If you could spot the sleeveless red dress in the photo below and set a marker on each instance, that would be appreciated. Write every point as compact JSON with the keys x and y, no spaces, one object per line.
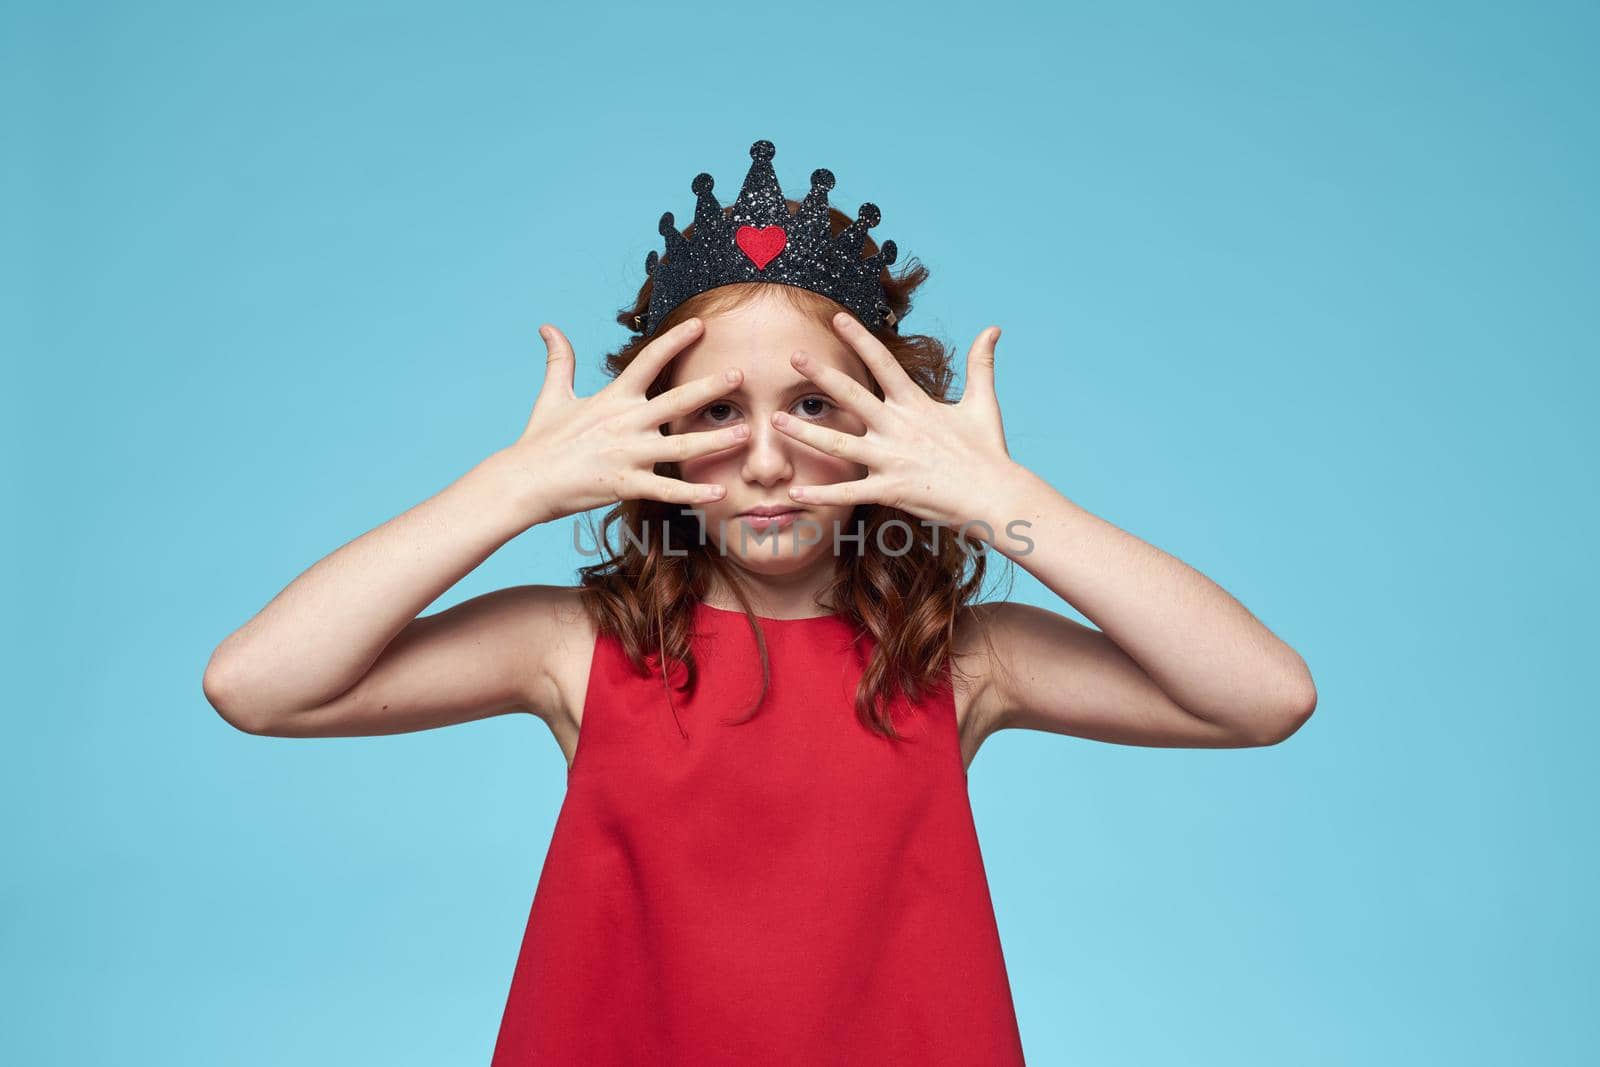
{"x":796,"y":889}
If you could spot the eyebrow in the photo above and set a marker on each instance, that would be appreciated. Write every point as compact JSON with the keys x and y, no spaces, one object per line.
{"x":804,"y":384}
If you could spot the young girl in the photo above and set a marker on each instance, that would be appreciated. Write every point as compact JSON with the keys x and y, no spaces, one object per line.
{"x":768,"y":691}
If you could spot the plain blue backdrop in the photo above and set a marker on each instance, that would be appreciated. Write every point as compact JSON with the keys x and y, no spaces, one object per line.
{"x":1303,"y":294}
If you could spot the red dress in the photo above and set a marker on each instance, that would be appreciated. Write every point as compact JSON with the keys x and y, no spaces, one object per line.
{"x":794,"y":890}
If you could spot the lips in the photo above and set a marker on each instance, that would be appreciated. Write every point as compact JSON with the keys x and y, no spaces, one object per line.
{"x":771,"y":517}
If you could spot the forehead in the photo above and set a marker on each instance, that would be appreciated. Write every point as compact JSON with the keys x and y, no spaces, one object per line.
{"x":758,"y":336}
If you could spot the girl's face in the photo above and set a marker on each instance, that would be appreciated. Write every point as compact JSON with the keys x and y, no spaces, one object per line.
{"x":758,"y":338}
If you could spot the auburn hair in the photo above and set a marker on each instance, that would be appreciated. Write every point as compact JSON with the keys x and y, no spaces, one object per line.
{"x":644,"y":592}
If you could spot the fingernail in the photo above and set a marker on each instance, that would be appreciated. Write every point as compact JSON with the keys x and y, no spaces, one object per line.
{"x":741,"y":432}
{"x":779,"y":419}
{"x":801,"y":358}
{"x":731,"y":374}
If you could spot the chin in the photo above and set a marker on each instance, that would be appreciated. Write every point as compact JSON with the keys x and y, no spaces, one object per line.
{"x":784,"y":563}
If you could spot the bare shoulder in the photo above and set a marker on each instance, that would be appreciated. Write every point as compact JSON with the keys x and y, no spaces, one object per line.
{"x":995,"y":641}
{"x":973,"y":675}
{"x":560,"y":638}
{"x":553,"y":640}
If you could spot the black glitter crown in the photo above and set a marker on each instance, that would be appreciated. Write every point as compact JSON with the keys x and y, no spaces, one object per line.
{"x":760,"y":241}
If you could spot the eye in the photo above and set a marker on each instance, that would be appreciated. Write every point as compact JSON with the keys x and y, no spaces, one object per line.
{"x":826,"y":406}
{"x":709,"y":411}
{"x":807,"y":407}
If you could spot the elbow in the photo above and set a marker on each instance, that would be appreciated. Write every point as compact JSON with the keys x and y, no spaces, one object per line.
{"x":224,"y":694}
{"x":1283,"y":720}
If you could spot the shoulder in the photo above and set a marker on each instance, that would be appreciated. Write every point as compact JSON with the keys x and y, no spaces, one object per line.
{"x":554,"y":637}
{"x":979,"y":628}
{"x":994,"y":641}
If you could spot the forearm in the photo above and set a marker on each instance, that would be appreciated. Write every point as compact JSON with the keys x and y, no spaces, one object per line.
{"x":1204,"y":648}
{"x":322,"y":632}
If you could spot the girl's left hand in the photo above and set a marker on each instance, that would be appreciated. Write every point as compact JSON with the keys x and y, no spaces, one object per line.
{"x":932,"y":459}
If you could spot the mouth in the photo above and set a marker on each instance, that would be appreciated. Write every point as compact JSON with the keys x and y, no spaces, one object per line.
{"x":771,"y":516}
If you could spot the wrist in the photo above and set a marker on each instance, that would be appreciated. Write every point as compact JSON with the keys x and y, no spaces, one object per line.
{"x":1013,"y":495}
{"x":507,"y":489}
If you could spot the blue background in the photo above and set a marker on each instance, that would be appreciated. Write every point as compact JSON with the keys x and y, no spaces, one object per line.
{"x":1303,"y":294}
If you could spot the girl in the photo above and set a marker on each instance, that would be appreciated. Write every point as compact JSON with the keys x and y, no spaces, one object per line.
{"x":768,"y":693}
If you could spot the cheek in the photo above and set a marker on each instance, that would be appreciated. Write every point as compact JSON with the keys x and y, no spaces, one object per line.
{"x":824,"y":470}
{"x":710,"y":470}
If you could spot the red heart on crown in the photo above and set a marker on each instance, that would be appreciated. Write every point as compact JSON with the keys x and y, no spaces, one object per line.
{"x":761,"y":244}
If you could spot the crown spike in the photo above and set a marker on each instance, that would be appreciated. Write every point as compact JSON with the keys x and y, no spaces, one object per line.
{"x":761,"y":201}
{"x":707,"y":212}
{"x":813,"y":214}
{"x":853,"y":237}
{"x":676,"y":245}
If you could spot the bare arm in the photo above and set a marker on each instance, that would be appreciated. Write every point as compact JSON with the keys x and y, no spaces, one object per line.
{"x":1176,"y":660}
{"x":341,"y":651}
{"x":486,"y":656}
{"x":319,"y":637}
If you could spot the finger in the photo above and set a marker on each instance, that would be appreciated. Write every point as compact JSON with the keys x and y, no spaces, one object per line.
{"x":891,"y":377}
{"x":869,"y":490}
{"x":690,"y":396}
{"x":841,"y":388}
{"x":559,"y":364}
{"x":647,"y":365}
{"x":677,"y":447}
{"x":980,"y":368}
{"x":673,"y":490}
{"x":829,"y":440}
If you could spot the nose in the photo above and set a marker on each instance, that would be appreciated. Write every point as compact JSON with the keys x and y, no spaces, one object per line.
{"x":766,"y":456}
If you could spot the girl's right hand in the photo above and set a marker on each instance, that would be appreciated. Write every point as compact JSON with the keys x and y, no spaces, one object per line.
{"x":579,"y":453}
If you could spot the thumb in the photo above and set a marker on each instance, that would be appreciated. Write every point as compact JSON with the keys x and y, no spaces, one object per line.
{"x":559,"y":364}
{"x":980,"y":367}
